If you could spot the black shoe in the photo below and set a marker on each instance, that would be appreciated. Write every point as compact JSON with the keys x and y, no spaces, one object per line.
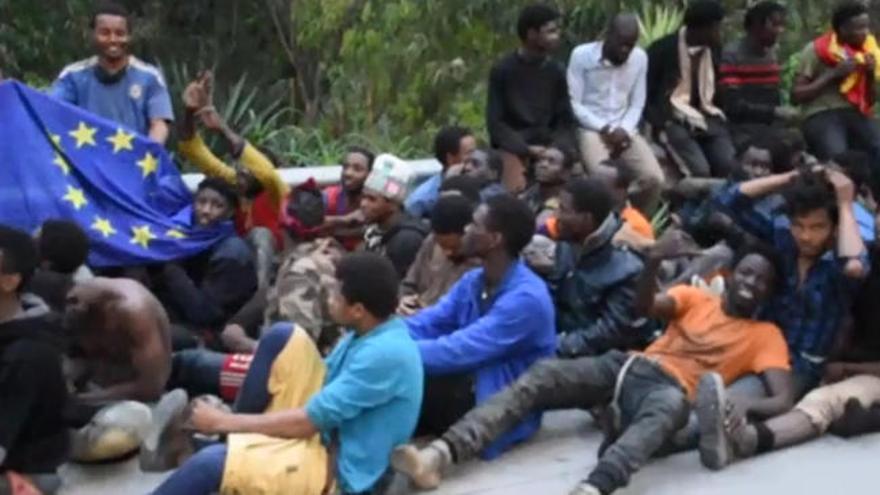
{"x":857,"y":420}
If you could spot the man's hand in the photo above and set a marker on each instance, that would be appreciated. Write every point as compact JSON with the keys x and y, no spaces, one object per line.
{"x":673,"y":244}
{"x":409,"y":305}
{"x":211,"y":119}
{"x":835,"y":372}
{"x":199,"y":93}
{"x":845,"y":68}
{"x":617,"y":140}
{"x":843,"y":186}
{"x":206,"y":418}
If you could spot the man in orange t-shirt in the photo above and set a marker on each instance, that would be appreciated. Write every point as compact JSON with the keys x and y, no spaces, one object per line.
{"x":650,"y":393}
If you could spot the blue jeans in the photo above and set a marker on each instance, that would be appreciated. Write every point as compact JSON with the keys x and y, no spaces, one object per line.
{"x":202,"y":474}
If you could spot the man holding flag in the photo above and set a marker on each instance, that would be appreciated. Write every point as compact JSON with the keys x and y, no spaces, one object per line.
{"x":115,"y":84}
{"x":61,"y":162}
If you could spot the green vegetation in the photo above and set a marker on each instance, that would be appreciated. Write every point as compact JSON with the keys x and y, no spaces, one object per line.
{"x":305,"y":78}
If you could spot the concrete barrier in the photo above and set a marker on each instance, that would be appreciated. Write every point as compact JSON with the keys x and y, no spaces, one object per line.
{"x":328,"y":174}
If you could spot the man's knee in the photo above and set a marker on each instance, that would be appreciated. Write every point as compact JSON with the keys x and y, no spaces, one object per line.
{"x":277,"y":335}
{"x":210,"y":458}
{"x":542,"y":372}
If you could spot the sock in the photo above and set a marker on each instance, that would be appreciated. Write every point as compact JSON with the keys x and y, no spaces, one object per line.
{"x":766,"y":438}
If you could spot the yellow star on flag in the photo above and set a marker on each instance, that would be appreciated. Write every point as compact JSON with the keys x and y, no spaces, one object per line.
{"x":61,"y":163}
{"x":76,"y":197}
{"x":121,"y":141}
{"x":142,"y":236}
{"x":84,"y":135}
{"x":175,"y":234}
{"x":103,"y":226}
{"x":148,"y":164}
{"x":55,"y":139}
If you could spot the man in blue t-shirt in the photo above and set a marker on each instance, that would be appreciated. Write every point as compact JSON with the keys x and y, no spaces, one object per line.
{"x":114,"y":84}
{"x":368,"y":405}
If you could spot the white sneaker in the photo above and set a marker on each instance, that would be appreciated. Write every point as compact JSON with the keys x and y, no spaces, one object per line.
{"x":424,"y":467}
{"x":584,"y":488}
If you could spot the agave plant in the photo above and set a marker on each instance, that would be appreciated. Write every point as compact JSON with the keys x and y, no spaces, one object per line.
{"x":243,"y":105}
{"x":662,"y":219}
{"x":656,"y":21}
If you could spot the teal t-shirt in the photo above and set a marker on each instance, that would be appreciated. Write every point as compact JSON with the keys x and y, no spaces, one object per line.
{"x":370,"y":402}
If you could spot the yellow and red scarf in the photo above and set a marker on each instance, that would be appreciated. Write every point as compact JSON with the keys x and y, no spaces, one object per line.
{"x":855,"y":87}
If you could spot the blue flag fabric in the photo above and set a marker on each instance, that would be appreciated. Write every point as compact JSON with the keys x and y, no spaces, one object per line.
{"x":58,"y":161}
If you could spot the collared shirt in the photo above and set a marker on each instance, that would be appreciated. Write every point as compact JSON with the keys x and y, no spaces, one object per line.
{"x":604,"y":94}
{"x":371,"y":400}
{"x":811,"y":312}
{"x":138,"y":97}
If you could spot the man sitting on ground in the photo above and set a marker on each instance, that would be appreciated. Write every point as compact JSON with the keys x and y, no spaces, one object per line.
{"x":478,"y":338}
{"x":681,"y":93}
{"x":201,"y":293}
{"x":451,"y":146}
{"x":343,"y":218}
{"x":594,"y":281}
{"x":440,"y":262}
{"x":33,"y":438}
{"x":63,"y":247}
{"x":606,"y":80}
{"x":823,"y":258}
{"x":552,"y":171}
{"x":260,"y":188}
{"x":294,"y":413}
{"x":649,"y":392}
{"x":528,"y":99}
{"x":390,"y":231}
{"x":122,"y":335}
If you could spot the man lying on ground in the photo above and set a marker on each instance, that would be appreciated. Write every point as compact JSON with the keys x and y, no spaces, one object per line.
{"x":649,"y":393}
{"x":823,"y":258}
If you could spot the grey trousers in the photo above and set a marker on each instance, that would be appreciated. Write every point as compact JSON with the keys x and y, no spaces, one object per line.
{"x":652,"y":407}
{"x":705,"y":153}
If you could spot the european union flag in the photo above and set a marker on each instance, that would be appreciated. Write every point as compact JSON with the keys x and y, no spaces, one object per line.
{"x":59,"y":161}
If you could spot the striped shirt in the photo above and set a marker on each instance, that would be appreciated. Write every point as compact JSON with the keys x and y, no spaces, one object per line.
{"x":749,"y":79}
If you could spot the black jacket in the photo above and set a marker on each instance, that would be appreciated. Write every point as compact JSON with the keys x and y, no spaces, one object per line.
{"x":401,"y":243}
{"x":595,"y":292}
{"x":664,"y":74}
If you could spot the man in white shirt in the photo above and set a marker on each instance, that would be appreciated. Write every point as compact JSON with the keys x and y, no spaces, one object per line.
{"x":607,"y":81}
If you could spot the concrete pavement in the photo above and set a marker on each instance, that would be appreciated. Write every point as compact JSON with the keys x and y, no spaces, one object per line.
{"x":565,"y":451}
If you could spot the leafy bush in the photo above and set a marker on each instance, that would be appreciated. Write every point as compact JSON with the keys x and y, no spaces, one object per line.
{"x":656,"y":21}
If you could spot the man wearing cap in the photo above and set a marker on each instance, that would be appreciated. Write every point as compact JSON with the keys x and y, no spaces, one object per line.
{"x":390,"y":232}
